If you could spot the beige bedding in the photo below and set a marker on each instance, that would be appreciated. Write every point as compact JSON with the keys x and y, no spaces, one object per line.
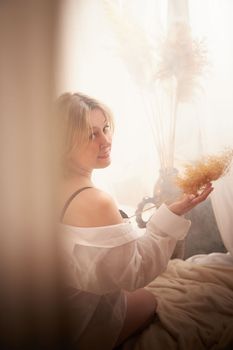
{"x":195,"y":309}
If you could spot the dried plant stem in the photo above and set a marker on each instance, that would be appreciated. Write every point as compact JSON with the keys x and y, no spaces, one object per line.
{"x":154,"y":119}
{"x":172,"y":134}
{"x":150,"y":112}
{"x":160,"y":131}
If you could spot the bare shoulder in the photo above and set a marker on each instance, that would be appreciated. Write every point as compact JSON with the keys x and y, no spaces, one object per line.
{"x":104,"y":210}
{"x":93,"y":208}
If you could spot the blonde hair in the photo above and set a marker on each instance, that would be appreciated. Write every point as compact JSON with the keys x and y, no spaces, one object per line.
{"x":73,"y":113}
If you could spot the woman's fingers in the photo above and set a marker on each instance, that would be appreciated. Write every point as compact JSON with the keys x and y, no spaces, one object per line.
{"x":189,"y":201}
{"x":203,"y":195}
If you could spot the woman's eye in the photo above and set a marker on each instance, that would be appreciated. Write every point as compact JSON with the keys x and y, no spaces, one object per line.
{"x":92,"y":136}
{"x":106,"y":128}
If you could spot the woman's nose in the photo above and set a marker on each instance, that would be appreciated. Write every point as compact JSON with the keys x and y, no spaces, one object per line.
{"x":106,"y":140}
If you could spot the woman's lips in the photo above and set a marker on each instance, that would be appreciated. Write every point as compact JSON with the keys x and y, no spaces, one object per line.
{"x":104,"y":155}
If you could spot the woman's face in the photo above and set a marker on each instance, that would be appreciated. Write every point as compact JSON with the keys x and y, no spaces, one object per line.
{"x":96,"y":154}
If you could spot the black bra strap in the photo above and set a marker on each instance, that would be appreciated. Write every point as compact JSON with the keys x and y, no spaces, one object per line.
{"x":70,"y":199}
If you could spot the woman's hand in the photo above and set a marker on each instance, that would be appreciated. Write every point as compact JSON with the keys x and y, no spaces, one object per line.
{"x":189,"y":201}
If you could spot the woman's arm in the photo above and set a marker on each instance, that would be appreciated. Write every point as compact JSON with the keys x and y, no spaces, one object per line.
{"x":140,"y":258}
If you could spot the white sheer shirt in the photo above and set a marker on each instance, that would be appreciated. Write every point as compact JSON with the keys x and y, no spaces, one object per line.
{"x":109,"y":258}
{"x":102,"y":262}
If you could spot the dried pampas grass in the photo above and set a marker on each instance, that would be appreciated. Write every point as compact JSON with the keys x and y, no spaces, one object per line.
{"x":183,"y":58}
{"x":133,"y":44}
{"x":209,"y":169}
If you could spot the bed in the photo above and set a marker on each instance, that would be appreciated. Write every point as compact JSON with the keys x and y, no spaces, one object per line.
{"x":195,"y":306}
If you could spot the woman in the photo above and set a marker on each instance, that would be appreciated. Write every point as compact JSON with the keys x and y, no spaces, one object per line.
{"x":109,"y":261}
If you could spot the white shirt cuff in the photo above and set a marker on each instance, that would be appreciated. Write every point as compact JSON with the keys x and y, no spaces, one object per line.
{"x":169,"y":223}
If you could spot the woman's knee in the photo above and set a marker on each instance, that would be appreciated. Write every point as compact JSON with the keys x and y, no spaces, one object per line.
{"x":141,"y":308}
{"x":148,"y":300}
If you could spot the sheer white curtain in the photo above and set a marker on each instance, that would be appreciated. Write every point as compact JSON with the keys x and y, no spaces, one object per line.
{"x":108,"y":51}
{"x":214,"y":19}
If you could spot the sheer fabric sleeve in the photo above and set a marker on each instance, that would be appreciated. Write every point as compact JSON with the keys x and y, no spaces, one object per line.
{"x":125,"y":257}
